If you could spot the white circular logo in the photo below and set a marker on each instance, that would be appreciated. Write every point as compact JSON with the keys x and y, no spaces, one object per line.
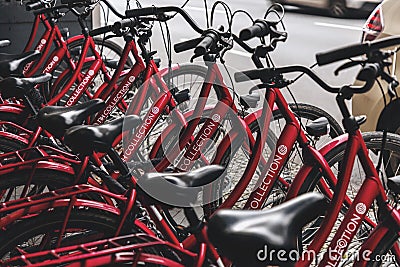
{"x":55,"y":58}
{"x":216,"y":117}
{"x":91,"y":72}
{"x":131,"y":79}
{"x":342,"y":243}
{"x":282,"y":150}
{"x":361,"y":208}
{"x":155,"y":110}
{"x":43,"y":41}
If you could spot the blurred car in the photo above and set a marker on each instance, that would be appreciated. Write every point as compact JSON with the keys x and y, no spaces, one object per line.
{"x":336,"y":8}
{"x":381,"y":113}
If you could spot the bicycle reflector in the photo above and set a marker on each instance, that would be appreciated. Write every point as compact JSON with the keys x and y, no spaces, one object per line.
{"x":374,"y":25}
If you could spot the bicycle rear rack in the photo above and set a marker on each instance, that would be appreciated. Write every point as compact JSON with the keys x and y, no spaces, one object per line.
{"x":16,"y":129}
{"x":67,"y":197}
{"x":30,"y":157}
{"x":124,"y":249}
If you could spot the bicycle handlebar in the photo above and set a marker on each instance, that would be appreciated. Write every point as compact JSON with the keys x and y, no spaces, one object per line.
{"x":354,"y":50}
{"x":367,"y":74}
{"x":145,"y":11}
{"x":49,"y":9}
{"x":101,"y":30}
{"x":260,"y":28}
{"x":77,"y":2}
{"x":187,"y":45}
{"x":34,"y":6}
{"x":130,"y":22}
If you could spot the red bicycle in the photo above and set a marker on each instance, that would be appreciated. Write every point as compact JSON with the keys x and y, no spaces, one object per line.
{"x":140,"y":248}
{"x":370,"y":190}
{"x":280,"y":226}
{"x":319,"y":159}
{"x":67,"y":49}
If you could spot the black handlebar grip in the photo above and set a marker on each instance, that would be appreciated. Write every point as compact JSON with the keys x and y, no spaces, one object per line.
{"x":263,"y":74}
{"x":118,"y":25}
{"x":187,"y":45}
{"x":247,"y":75}
{"x":101,"y":30}
{"x":209,"y":40}
{"x":204,"y":44}
{"x":145,"y":11}
{"x":260,"y":28}
{"x":34,"y":6}
{"x":349,"y":51}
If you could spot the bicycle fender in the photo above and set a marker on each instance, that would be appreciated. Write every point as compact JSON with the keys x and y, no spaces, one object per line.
{"x":12,"y":108}
{"x":11,"y":136}
{"x":75,"y":38}
{"x":27,"y":165}
{"x":305,"y":170}
{"x":166,"y":70}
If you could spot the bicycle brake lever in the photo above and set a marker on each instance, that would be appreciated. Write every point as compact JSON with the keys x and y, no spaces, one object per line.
{"x":392,"y":88}
{"x":392,"y":83}
{"x":275,"y":37}
{"x":347,"y":65}
{"x":194,"y":57}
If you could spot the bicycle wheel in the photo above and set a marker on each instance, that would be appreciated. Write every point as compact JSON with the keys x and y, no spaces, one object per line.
{"x":305,"y":113}
{"x":40,"y":232}
{"x":12,"y":185}
{"x":107,"y":48}
{"x":187,"y":76}
{"x":391,"y":159}
{"x":84,"y":225}
{"x":382,"y":256}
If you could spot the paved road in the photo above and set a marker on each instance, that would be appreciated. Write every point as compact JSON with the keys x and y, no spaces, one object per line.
{"x":308,"y":34}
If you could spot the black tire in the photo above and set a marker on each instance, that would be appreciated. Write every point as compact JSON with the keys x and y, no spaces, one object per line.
{"x":85,"y":225}
{"x":311,"y":113}
{"x":373,"y":142}
{"x":9,"y":145}
{"x":382,"y":251}
{"x":43,"y":180}
{"x":334,"y":157}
